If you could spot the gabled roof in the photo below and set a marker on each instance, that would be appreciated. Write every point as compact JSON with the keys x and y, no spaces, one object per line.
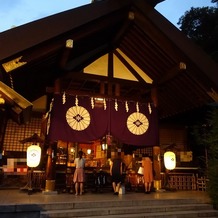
{"x":131,"y":37}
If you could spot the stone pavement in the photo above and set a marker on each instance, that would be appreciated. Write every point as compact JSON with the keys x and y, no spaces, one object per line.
{"x":15,"y":196}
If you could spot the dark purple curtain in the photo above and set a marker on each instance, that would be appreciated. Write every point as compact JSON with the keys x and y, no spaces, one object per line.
{"x":134,"y":128}
{"x":84,"y":125}
{"x":130,"y":123}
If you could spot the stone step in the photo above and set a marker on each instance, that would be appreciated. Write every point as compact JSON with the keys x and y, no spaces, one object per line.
{"x":115,"y":203}
{"x":178,"y":214}
{"x":183,"y":210}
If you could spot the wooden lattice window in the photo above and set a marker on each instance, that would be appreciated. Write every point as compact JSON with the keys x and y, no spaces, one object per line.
{"x":14,"y":133}
{"x":145,"y":150}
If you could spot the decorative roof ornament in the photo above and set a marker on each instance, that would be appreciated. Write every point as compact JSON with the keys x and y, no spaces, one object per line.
{"x":13,"y":64}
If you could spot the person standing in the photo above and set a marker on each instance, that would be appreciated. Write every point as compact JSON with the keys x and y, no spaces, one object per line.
{"x":79,"y":174}
{"x":148,"y":173}
{"x":116,"y":173}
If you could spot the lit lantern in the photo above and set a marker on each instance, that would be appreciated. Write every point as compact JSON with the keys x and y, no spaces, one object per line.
{"x":89,"y":151}
{"x":170,"y":160}
{"x":141,"y":171}
{"x":33,"y":155}
{"x":104,"y":146}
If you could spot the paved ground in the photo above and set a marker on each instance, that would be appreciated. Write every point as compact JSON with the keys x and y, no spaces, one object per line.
{"x":15,"y":196}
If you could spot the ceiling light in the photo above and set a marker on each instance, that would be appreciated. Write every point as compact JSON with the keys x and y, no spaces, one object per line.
{"x":69,"y":43}
{"x":2,"y":100}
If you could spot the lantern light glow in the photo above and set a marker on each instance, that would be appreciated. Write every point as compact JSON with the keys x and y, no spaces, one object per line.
{"x":89,"y":151}
{"x":33,"y":155}
{"x":169,"y":160}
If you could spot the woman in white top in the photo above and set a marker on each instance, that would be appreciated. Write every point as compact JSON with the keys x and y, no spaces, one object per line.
{"x":79,"y":175}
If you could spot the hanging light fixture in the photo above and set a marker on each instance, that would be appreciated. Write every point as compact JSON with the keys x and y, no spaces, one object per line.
{"x":69,"y":43}
{"x":33,"y":155}
{"x":104,"y":144}
{"x":2,"y":100}
{"x":169,"y":160}
{"x":89,"y":151}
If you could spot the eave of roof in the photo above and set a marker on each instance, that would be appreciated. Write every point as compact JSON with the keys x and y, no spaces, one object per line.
{"x":133,"y":27}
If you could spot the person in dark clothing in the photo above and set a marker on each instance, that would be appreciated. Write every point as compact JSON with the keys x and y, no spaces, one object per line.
{"x":116,"y":173}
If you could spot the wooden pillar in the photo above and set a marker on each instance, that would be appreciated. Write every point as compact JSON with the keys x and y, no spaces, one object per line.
{"x":50,"y":169}
{"x":110,"y":89}
{"x":3,"y":125}
{"x":156,"y":149}
{"x":157,"y":167}
{"x":51,"y":160}
{"x":117,"y":90}
{"x":49,"y":173}
{"x":154,"y":96}
{"x":102,"y":88}
{"x":57,"y":86}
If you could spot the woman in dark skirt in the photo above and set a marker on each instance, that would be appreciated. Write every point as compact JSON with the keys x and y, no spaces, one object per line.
{"x":116,"y":173}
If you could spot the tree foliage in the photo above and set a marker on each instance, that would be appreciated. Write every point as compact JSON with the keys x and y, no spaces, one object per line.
{"x":201,"y":25}
{"x":206,"y":135}
{"x":212,"y":142}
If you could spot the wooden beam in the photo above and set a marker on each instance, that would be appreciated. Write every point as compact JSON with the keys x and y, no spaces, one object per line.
{"x":176,"y":70}
{"x":37,"y":32}
{"x":130,"y":68}
{"x":98,"y":78}
{"x":185,"y":46}
{"x":50,"y":90}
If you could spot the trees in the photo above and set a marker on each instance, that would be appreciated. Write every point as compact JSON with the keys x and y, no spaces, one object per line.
{"x":201,"y":25}
{"x":212,"y":143}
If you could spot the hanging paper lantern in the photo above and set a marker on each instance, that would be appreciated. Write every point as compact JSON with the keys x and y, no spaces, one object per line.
{"x":169,"y":160}
{"x":33,"y":155}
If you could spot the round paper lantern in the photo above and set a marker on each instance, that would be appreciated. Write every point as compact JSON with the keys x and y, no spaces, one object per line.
{"x":169,"y":160}
{"x":33,"y":155}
